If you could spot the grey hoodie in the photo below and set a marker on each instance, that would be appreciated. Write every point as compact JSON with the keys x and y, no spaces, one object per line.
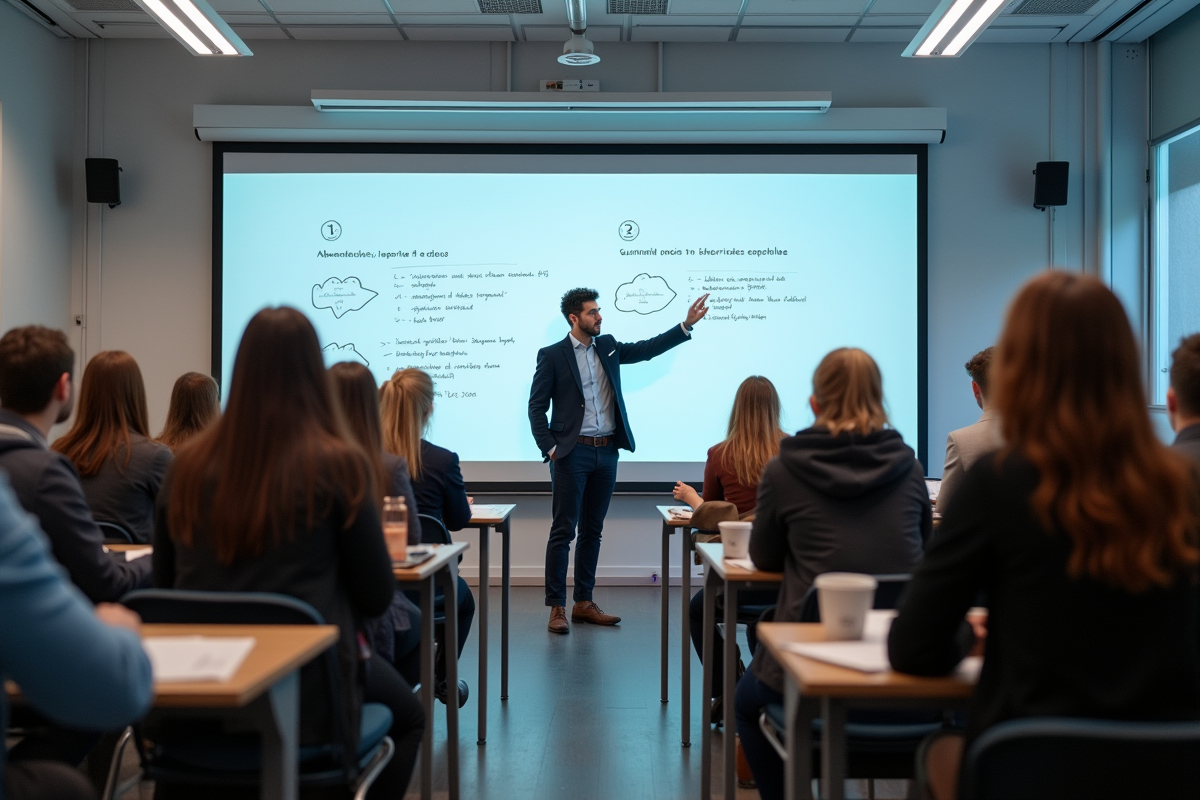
{"x":845,"y":503}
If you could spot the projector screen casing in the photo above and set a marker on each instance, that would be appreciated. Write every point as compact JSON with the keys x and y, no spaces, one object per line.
{"x":688,"y":471}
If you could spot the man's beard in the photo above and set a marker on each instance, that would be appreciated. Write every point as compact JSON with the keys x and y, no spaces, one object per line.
{"x":64,"y":413}
{"x":592,"y":331}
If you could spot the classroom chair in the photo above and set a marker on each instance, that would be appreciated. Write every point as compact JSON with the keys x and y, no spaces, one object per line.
{"x":114,"y":533}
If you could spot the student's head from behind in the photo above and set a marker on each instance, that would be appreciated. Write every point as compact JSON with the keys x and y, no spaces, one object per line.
{"x":406,"y":403}
{"x":355,"y":388}
{"x":754,"y":429}
{"x":195,"y":404}
{"x":112,"y":405}
{"x":280,"y":452}
{"x":579,"y":308}
{"x":848,"y":393}
{"x":978,"y":368}
{"x":36,"y":365}
{"x":1067,"y":385}
{"x":1183,"y":396}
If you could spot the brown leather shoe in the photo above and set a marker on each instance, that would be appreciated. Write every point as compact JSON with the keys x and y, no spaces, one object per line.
{"x":558,"y":620}
{"x":587,"y":611}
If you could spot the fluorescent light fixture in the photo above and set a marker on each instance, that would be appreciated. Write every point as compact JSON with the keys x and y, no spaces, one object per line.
{"x":328,"y":100}
{"x":953,"y":26}
{"x":206,"y":35}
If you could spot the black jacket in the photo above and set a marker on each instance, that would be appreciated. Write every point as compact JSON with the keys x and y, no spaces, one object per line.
{"x":845,"y":503}
{"x":557,"y":380}
{"x":124,"y":493}
{"x":1056,"y":646}
{"x":1187,"y":441}
{"x":440,"y":490}
{"x":48,"y":487}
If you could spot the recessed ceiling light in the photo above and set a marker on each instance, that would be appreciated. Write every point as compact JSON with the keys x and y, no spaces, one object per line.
{"x":953,"y":26}
{"x":206,"y":35}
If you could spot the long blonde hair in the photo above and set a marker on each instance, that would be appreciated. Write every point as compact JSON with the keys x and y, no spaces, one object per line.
{"x":849,"y":391}
{"x":406,"y":402}
{"x":754,"y":430}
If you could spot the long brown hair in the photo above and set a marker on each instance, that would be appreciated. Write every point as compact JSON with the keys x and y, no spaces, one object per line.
{"x":355,"y":387}
{"x":112,"y":405}
{"x":848,"y":389}
{"x":1068,"y":389}
{"x":754,"y":432}
{"x":407,"y":403}
{"x":194,"y":405}
{"x":281,"y":442}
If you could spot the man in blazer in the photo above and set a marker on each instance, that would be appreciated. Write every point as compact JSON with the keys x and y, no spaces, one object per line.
{"x":1183,"y":397}
{"x":965,"y":445}
{"x":581,"y":378}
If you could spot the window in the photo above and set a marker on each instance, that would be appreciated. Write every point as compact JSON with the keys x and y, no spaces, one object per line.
{"x":1176,"y":247}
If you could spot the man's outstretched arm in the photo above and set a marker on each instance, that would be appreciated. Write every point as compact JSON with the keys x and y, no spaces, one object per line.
{"x":633,"y":352}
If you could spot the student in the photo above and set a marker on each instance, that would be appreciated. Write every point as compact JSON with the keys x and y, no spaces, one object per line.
{"x":1183,"y":396}
{"x":81,"y":666}
{"x":194,"y":406}
{"x":1081,"y":530}
{"x":731,"y":473}
{"x":846,"y":495}
{"x":275,"y":497}
{"x":406,"y":400}
{"x":965,"y":445}
{"x":35,"y":395}
{"x":120,"y":467}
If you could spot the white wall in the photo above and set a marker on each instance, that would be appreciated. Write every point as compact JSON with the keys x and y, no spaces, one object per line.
{"x":149,"y":283}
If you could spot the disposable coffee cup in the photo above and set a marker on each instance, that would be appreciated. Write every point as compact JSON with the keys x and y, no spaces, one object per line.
{"x":845,"y":599}
{"x":735,"y":536}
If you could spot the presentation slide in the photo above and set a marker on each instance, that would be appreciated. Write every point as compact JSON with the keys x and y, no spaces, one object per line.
{"x":455,"y":263}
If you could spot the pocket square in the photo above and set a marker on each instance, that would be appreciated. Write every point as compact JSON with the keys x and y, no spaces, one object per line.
{"x":610,"y":353}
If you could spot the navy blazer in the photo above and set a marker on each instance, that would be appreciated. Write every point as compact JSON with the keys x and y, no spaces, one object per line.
{"x":440,"y":491}
{"x":556,"y":381}
{"x":1188,"y":442}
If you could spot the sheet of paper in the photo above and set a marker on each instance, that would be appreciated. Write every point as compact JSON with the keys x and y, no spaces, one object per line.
{"x":134,"y":555}
{"x":680,"y":512}
{"x":742,"y":563}
{"x":176,"y":659}
{"x":863,"y":656}
{"x":480,"y":510}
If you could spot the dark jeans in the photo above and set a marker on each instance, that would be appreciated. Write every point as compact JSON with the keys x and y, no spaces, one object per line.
{"x":582,"y":484}
{"x":752,"y":696}
{"x":45,"y":780}
{"x":384,"y":685}
{"x":408,"y":643}
{"x":696,"y":623}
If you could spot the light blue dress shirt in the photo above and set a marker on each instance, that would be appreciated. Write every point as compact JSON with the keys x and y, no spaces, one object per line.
{"x":597,"y":391}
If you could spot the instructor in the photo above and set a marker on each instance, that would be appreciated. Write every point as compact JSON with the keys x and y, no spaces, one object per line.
{"x":581,"y":377}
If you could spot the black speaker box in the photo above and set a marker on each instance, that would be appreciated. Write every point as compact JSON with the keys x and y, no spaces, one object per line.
{"x":1050,"y":184}
{"x":103,"y":181}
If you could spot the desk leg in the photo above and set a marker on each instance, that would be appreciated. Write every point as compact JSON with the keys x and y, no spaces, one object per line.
{"x":685,"y":636}
{"x":833,"y":748}
{"x":485,"y":538}
{"x":448,"y":577}
{"x":276,"y":714}
{"x":728,"y":739}
{"x":706,"y":660}
{"x":664,"y":579}
{"x":505,"y":583}
{"x":427,"y":648}
{"x":798,"y":714}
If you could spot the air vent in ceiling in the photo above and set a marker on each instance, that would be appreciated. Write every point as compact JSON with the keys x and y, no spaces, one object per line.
{"x":1055,"y":7}
{"x":637,"y":6}
{"x":510,"y":6}
{"x":104,"y":5}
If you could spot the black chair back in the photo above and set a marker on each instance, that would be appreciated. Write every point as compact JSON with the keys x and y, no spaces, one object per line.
{"x":1083,"y":759}
{"x":433,"y":530}
{"x":114,"y":533}
{"x":888,"y":590}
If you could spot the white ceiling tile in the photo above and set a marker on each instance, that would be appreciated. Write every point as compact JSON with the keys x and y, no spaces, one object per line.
{"x":796,"y":34}
{"x":808,"y":21}
{"x":246,"y":6}
{"x":248,"y":19}
{"x":560,"y":33}
{"x":326,"y":6}
{"x":996,"y":35}
{"x":925,"y":7}
{"x":133,"y":30}
{"x":681,"y":33}
{"x":334,"y":19}
{"x":460,"y":33}
{"x":817,"y":7}
{"x":437,"y":6}
{"x":895,"y":19}
{"x":704,"y":6}
{"x":345,"y":32}
{"x":249,"y":32}
{"x":885,"y":34}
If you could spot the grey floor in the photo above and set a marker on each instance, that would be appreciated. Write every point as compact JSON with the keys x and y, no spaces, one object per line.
{"x":583,"y":719}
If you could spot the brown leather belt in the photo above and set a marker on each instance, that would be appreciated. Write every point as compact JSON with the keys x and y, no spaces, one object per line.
{"x":595,"y":441}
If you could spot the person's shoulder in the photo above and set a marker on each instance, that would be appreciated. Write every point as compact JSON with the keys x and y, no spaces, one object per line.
{"x":433,"y":454}
{"x":149,"y":450}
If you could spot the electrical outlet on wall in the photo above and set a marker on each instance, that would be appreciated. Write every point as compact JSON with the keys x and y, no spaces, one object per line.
{"x":569,"y":85}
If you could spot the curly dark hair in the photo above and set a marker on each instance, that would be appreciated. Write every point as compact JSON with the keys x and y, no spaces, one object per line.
{"x":1185,"y":374}
{"x":572,"y":301}
{"x":978,"y":366}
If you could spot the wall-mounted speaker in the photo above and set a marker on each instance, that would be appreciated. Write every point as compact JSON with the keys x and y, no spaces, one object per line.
{"x":1050,"y":184}
{"x":103,"y":177}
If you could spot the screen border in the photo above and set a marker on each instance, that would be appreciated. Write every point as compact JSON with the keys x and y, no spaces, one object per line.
{"x":921,"y":151}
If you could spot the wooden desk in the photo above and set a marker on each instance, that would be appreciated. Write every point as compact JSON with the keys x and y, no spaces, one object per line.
{"x":484,"y":518}
{"x":718,"y":573}
{"x":441,"y":569}
{"x":816,"y":688}
{"x":669,"y":526}
{"x":264,"y":691}
{"x":124,"y":548}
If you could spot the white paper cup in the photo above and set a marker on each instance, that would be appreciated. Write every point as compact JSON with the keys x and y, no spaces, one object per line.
{"x":845,"y":599}
{"x":735,"y":536}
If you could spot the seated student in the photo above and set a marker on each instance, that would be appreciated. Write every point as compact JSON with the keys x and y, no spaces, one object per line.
{"x":1081,"y":530}
{"x":1183,"y":396}
{"x":965,"y":445}
{"x":82,"y":666}
{"x":406,"y":400}
{"x":273,"y":498}
{"x":195,"y":405}
{"x":846,"y":495}
{"x":120,"y":467}
{"x":731,"y":473}
{"x":35,"y":395}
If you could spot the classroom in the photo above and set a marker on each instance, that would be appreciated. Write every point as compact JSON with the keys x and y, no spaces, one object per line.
{"x":767,"y":398}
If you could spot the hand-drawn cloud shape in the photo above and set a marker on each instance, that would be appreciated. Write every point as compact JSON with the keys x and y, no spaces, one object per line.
{"x":645,"y":294}
{"x":341,"y":296}
{"x":335,"y":352}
